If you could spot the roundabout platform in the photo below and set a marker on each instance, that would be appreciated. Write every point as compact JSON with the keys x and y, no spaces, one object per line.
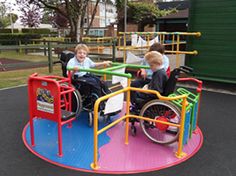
{"x":115,"y":157}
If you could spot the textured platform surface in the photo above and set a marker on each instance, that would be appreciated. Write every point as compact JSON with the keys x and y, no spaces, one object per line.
{"x":115,"y":156}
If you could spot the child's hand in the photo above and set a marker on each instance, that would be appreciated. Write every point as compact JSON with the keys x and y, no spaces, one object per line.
{"x":145,"y":87}
{"x":143,"y":73}
{"x":107,"y":63}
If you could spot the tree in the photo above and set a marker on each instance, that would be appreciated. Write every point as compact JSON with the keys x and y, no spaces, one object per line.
{"x":120,"y":5}
{"x":48,"y":16}
{"x":60,"y":21}
{"x":31,"y":15}
{"x":6,"y":18}
{"x":140,"y":13}
{"x":73,"y":10}
{"x":143,"y":14}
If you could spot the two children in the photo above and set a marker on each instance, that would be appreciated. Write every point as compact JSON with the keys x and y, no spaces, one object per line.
{"x":145,"y":75}
{"x":153,"y":58}
{"x":158,"y":80}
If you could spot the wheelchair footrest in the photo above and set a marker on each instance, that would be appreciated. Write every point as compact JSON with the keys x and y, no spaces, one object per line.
{"x":66,"y":115}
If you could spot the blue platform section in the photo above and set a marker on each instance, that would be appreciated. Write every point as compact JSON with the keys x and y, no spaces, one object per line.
{"x":77,"y":142}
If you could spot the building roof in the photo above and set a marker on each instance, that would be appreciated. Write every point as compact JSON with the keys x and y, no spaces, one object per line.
{"x":179,"y":5}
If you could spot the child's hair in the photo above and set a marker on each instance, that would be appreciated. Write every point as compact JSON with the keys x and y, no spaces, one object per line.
{"x":154,"y":57}
{"x":81,"y":46}
{"x":157,"y":47}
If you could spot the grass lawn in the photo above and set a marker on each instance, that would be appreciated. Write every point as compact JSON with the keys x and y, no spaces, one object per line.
{"x":24,"y":57}
{"x":20,"y":77}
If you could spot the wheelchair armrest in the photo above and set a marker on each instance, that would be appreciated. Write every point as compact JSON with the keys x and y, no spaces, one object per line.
{"x":81,"y":80}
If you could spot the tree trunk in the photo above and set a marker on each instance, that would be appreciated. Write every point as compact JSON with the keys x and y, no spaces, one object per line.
{"x":141,"y":27}
{"x":79,"y":32}
{"x":93,"y":15}
{"x":121,"y":26}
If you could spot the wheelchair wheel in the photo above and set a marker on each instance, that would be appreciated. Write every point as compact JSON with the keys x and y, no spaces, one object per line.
{"x":164,"y":111}
{"x":133,"y":130}
{"x":76,"y":101}
{"x":89,"y":101}
{"x":90,"y":119}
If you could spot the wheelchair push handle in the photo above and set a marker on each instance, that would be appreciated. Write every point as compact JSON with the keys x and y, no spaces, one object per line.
{"x":185,"y":69}
{"x":189,"y":69}
{"x":57,"y":62}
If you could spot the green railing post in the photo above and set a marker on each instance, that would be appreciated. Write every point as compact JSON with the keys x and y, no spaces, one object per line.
{"x":50,"y":63}
{"x":114,"y":50}
{"x":19,"y":43}
{"x":44,"y":49}
{"x":26,"y":50}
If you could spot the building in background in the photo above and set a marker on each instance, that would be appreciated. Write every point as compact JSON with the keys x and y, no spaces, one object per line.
{"x":103,"y":19}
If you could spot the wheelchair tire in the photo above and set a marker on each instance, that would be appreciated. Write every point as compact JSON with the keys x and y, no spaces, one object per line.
{"x":76,"y":101}
{"x":158,"y":132}
{"x":133,"y":130}
{"x":90,"y":119}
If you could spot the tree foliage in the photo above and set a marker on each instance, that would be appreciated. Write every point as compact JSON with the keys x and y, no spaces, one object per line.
{"x":60,"y":21}
{"x":31,"y":15}
{"x":6,"y":18}
{"x":72,"y":10}
{"x":141,"y":13}
{"x":47,"y":17}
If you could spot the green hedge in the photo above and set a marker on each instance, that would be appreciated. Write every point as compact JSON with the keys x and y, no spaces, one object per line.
{"x":36,"y":31}
{"x":9,"y":31}
{"x":16,"y":39}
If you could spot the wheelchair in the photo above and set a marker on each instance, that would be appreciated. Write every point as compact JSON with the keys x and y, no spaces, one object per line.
{"x":159,"y":110}
{"x":84,"y":96}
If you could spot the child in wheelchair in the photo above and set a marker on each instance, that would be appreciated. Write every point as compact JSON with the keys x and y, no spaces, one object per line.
{"x":148,"y":105}
{"x":145,"y":75}
{"x":90,"y":86}
{"x":157,"y":82}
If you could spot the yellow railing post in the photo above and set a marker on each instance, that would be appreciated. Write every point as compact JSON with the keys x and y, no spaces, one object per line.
{"x":127,"y":113}
{"x":180,"y":153}
{"x":173,"y":41}
{"x":94,"y":165}
{"x":161,"y":38}
{"x":177,"y":54}
{"x":124,"y":48}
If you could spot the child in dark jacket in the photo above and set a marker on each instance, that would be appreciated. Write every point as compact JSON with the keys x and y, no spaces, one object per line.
{"x":158,"y":81}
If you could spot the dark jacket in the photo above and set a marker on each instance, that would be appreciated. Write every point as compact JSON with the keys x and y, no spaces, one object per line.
{"x":158,"y":82}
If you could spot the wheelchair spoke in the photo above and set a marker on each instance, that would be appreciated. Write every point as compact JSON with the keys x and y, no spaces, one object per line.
{"x":163,"y":111}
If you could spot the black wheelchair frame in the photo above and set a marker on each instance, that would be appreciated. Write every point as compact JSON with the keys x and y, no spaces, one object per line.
{"x":160,"y":110}
{"x":83,"y":98}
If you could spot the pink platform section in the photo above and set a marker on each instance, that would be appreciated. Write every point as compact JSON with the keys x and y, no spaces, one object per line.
{"x":141,"y":154}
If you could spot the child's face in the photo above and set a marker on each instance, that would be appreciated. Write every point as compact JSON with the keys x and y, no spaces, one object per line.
{"x":81,"y":55}
{"x":153,"y":66}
